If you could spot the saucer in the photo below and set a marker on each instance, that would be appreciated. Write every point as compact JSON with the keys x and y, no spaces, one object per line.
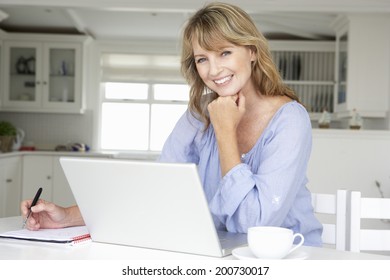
{"x":244,"y":253}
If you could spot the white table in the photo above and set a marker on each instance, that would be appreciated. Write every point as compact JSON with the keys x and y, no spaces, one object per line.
{"x":25,"y":250}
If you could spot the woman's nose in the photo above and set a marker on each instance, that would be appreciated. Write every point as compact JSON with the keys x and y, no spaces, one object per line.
{"x":215,"y":67}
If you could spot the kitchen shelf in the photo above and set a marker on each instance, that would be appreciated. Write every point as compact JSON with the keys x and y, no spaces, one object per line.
{"x":309,"y":69}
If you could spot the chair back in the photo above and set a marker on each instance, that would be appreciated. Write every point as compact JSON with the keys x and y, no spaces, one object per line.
{"x":369,"y":239}
{"x":333,"y":206}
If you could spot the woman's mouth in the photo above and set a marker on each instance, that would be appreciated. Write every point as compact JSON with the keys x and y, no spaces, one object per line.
{"x":223,"y":80}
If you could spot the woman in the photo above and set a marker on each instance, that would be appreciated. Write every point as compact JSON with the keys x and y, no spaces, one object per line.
{"x":246,"y":131}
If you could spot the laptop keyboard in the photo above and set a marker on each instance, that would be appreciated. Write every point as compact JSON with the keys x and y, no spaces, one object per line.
{"x":232,"y":240}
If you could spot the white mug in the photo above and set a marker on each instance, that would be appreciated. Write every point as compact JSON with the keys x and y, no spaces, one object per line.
{"x":268,"y":242}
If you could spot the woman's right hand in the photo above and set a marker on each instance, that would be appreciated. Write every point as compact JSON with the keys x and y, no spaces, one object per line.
{"x":226,"y":113}
{"x":49,"y":215}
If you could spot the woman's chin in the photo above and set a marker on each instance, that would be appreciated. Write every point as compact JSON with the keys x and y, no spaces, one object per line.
{"x":226,"y":94}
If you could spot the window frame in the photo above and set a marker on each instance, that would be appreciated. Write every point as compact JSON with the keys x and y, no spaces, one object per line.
{"x":150,"y":100}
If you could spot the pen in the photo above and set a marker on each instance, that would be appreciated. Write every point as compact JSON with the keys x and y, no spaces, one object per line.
{"x":35,"y":200}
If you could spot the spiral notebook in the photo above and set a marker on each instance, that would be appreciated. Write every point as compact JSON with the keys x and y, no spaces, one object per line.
{"x":69,"y":236}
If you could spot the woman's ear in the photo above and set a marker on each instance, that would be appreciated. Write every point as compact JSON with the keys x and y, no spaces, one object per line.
{"x":253,"y":53}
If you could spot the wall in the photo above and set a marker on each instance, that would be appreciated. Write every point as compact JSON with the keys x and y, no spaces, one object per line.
{"x":348,"y":159}
{"x":48,"y":130}
{"x":368,"y":123}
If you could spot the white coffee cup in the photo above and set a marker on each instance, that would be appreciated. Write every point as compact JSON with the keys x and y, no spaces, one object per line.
{"x":268,"y":242}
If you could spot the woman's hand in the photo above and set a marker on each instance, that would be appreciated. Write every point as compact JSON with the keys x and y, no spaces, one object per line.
{"x":49,"y":215}
{"x":226,"y":113}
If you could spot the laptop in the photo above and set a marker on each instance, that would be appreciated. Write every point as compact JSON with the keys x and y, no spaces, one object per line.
{"x":147,"y":204}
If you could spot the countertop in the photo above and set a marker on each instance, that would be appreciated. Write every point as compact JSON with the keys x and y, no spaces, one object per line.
{"x":92,"y":153}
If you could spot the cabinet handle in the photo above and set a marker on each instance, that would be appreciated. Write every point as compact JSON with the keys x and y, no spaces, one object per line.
{"x":8,"y":181}
{"x":37,"y":82}
{"x":48,"y":177}
{"x":44,"y":82}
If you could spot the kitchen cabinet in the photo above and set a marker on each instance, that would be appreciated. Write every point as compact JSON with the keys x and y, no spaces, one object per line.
{"x":46,"y":172}
{"x":10,"y":182}
{"x":22,"y":174}
{"x":44,"y":73}
{"x":308,"y":69}
{"x":363,"y":68}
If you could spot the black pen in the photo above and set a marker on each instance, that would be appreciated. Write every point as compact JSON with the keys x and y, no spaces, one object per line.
{"x":35,"y":200}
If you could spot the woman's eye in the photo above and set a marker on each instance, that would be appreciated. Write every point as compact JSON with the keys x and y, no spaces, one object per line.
{"x":200,"y":60}
{"x":225,"y":53}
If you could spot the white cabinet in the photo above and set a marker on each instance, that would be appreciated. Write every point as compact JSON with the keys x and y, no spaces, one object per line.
{"x":308,"y":68}
{"x":43,"y":73}
{"x":363,"y":60}
{"x":10,"y":186}
{"x":46,"y":172}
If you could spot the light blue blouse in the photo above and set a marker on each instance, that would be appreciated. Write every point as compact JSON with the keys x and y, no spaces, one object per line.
{"x":268,"y":187}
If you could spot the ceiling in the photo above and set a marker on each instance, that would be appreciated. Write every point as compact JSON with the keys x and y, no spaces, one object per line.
{"x":111,"y":19}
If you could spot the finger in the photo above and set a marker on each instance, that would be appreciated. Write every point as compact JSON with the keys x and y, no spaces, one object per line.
{"x":241,"y":102}
{"x":211,"y":105}
{"x":235,"y":98}
{"x":32,"y":224}
{"x":228,"y":98}
{"x":25,"y":206}
{"x":39,"y":207}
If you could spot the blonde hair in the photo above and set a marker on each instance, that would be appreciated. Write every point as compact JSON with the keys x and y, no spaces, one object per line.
{"x":214,"y":25}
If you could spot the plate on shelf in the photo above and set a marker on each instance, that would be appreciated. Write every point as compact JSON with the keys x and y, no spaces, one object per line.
{"x":244,"y":253}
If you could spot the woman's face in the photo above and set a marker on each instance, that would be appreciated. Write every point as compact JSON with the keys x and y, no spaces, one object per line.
{"x":226,"y":71}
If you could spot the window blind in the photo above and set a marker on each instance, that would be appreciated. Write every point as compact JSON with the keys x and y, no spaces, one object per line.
{"x":117,"y":67}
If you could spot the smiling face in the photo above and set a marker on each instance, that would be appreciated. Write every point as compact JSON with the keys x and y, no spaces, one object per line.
{"x":227,"y":70}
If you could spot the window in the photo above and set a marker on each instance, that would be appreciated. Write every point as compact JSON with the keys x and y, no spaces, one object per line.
{"x":140,"y":116}
{"x":143,"y":96}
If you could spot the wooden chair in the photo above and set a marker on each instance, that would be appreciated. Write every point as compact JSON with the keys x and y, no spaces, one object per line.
{"x":332,"y":207}
{"x":369,"y":239}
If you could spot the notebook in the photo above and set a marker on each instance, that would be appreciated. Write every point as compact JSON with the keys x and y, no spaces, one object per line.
{"x":146,"y":204}
{"x":68,"y":236}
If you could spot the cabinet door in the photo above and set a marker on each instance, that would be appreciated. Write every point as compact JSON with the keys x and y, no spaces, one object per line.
{"x":62,"y":70}
{"x":43,"y":73}
{"x":62,"y":194}
{"x":10,"y":186}
{"x":22,"y":74}
{"x":37,"y":172}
